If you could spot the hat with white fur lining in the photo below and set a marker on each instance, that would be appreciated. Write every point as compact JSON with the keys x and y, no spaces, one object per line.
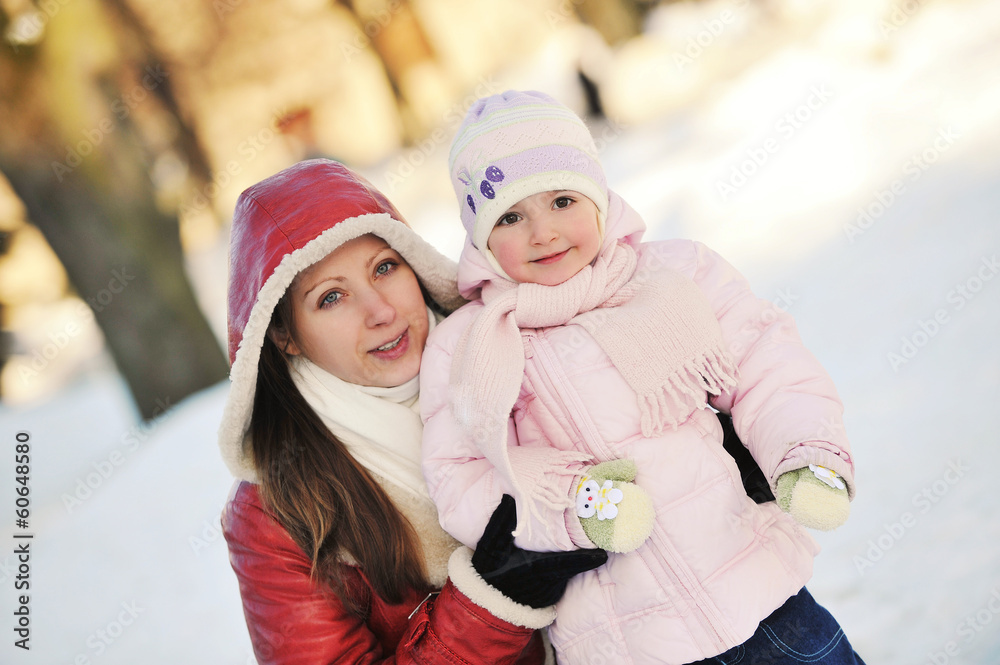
{"x":281,"y":226}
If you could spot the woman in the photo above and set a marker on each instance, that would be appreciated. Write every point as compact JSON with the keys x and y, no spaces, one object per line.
{"x":332,"y":535}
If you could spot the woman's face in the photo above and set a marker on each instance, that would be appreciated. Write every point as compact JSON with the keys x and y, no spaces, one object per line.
{"x":359,"y":314}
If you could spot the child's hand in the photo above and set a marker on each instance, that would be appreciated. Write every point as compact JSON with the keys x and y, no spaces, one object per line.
{"x":815,"y":496}
{"x":616,"y":515}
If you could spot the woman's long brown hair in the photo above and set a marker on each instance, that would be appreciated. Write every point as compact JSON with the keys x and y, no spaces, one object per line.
{"x":315,"y":488}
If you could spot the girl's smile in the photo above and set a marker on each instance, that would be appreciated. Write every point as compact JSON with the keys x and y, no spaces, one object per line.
{"x":546,"y":238}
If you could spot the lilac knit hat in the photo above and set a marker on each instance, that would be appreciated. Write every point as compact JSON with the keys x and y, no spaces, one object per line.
{"x":516,"y":144}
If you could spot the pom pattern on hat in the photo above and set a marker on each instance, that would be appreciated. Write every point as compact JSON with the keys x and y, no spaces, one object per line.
{"x":516,"y":144}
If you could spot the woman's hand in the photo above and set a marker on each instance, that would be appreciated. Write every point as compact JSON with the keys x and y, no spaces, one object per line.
{"x":535,"y":579}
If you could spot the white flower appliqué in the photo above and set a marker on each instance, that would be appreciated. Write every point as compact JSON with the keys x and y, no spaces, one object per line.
{"x":592,"y":498}
{"x":828,"y":476}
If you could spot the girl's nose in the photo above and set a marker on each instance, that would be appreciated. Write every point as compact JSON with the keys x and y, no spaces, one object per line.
{"x":543,"y":230}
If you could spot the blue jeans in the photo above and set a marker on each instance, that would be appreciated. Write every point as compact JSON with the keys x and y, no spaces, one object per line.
{"x":800,"y":631}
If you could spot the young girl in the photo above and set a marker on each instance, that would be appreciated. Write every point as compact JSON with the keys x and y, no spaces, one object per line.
{"x":578,"y":381}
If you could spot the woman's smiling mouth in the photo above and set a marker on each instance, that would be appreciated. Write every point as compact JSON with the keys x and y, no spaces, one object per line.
{"x":390,"y":345}
{"x":393,"y":349}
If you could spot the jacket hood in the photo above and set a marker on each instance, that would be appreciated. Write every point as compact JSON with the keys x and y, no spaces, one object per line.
{"x":283,"y":225}
{"x":622,"y":224}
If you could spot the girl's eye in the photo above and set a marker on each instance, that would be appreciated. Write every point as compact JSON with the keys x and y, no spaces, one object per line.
{"x":562,"y":202}
{"x":508,"y":219}
{"x":332,"y":298}
{"x":385,"y":268}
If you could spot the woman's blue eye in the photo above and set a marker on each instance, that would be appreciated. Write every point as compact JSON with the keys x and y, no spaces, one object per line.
{"x":385,"y":268}
{"x":329,"y":299}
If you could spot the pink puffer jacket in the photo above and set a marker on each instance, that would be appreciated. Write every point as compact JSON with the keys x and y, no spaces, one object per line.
{"x":716,"y":563}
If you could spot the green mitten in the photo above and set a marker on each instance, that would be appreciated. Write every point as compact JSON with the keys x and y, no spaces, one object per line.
{"x":617,"y":515}
{"x":815,"y":496}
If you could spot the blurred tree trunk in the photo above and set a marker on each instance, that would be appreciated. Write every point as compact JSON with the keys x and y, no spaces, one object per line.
{"x":400,"y":41}
{"x":616,"y":20}
{"x":75,"y":146}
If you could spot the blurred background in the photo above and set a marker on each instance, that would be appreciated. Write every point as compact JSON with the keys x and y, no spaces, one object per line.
{"x":844,"y":155}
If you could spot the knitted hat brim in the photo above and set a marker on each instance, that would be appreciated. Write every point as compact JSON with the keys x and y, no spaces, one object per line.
{"x":536,"y":184}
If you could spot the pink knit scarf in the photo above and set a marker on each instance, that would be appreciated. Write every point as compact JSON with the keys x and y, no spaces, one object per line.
{"x":661,"y":335}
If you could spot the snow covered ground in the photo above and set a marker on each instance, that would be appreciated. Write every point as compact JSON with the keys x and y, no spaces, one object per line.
{"x":853,"y":176}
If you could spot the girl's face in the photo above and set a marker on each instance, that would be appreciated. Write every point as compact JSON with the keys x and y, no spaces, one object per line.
{"x":546,"y":238}
{"x":359,"y":314}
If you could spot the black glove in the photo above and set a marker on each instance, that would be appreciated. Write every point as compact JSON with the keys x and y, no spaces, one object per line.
{"x":535,"y":579}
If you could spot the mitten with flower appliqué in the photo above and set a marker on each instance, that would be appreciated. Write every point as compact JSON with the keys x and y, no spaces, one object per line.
{"x":815,"y":496}
{"x":615,"y":513}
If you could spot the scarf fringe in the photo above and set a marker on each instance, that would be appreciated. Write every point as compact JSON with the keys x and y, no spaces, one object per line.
{"x":541,"y":469}
{"x":659,"y":409}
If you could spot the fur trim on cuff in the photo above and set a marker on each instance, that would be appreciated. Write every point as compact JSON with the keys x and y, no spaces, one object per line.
{"x":467,"y":580}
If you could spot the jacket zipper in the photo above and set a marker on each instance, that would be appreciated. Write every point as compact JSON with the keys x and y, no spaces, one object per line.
{"x":557,"y":383}
{"x":426,"y":598}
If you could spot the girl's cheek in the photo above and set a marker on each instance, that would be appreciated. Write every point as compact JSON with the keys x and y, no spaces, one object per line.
{"x":503,"y":258}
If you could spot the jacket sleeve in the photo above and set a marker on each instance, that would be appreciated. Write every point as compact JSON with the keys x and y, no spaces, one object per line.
{"x":785,"y":407}
{"x":464,"y":485}
{"x":294,"y":622}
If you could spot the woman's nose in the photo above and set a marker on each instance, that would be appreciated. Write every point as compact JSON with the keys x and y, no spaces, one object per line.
{"x":378,"y":310}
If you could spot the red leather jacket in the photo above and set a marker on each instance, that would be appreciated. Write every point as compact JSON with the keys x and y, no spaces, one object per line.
{"x":293,"y":621}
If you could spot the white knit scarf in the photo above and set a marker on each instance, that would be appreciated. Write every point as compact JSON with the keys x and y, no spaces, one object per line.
{"x":381,"y":428}
{"x":661,"y":334}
